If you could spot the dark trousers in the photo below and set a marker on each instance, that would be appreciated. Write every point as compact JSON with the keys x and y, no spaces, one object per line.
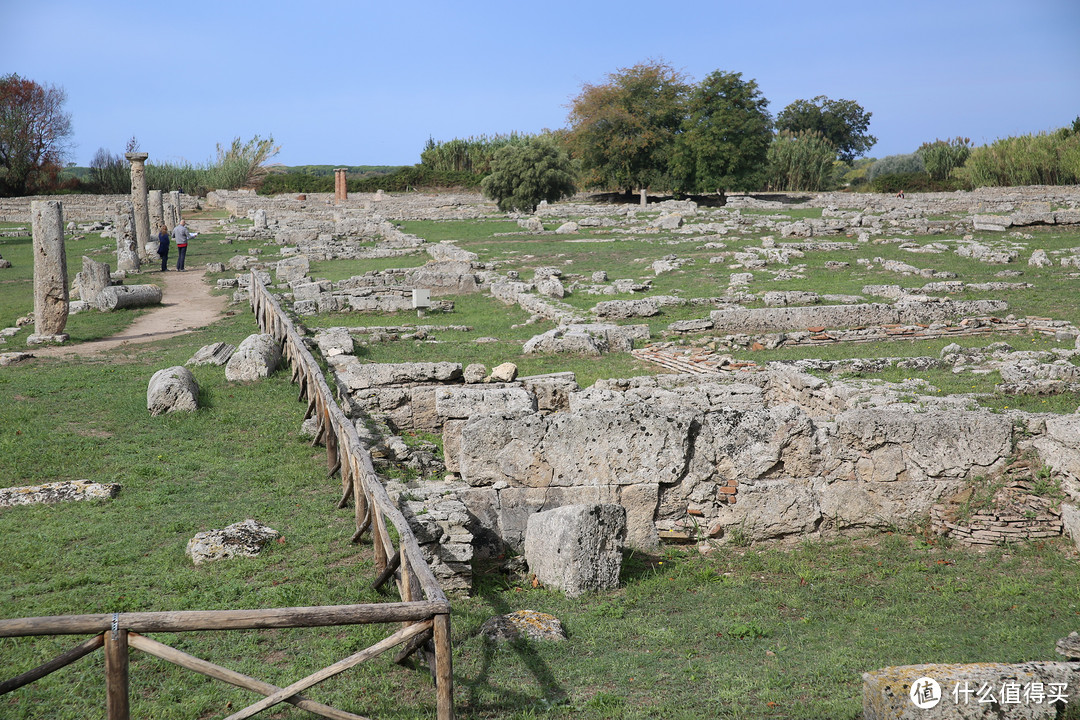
{"x":164,"y":260}
{"x":180,"y":258}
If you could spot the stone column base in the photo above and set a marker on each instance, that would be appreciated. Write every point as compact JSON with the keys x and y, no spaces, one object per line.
{"x":36,"y":339}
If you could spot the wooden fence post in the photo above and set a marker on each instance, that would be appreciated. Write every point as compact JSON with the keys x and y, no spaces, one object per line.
{"x":444,"y":670}
{"x":116,"y":672}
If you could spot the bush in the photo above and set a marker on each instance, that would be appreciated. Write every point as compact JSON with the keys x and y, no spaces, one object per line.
{"x":523,"y":175}
{"x":1042,"y":159}
{"x":470,"y":155}
{"x":109,"y":174}
{"x":897,"y":165}
{"x":912,"y":182}
{"x":941,"y":157}
{"x":800,"y":161}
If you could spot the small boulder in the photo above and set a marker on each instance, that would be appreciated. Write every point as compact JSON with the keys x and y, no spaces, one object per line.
{"x":506,"y":372}
{"x":523,"y":623}
{"x":171,"y":390}
{"x":242,"y":539}
{"x":567,"y":228}
{"x":475,"y":373}
{"x":215,"y":354}
{"x":256,"y":357}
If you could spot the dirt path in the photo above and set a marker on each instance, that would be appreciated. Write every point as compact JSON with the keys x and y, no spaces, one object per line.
{"x":186,"y":304}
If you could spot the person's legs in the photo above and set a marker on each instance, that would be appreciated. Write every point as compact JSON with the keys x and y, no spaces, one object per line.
{"x":164,"y":262}
{"x":180,"y":258}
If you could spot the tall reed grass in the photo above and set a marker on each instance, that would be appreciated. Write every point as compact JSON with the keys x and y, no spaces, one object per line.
{"x":1041,"y":159}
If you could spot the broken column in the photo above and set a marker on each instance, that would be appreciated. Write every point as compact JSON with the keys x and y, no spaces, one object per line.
{"x":50,"y":273}
{"x":341,"y":188}
{"x":157,"y":211}
{"x":92,"y":280}
{"x":138,"y":199}
{"x":259,"y":218}
{"x":127,"y":255}
{"x":177,"y":214}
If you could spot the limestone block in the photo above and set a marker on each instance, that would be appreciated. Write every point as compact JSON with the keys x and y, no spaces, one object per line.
{"x":640,"y":503}
{"x":551,"y":287}
{"x":552,"y":392}
{"x":94,"y":278}
{"x":173,"y":389}
{"x":55,"y":492}
{"x":460,"y":403}
{"x":215,"y":354}
{"x":1040,"y":259}
{"x":475,"y":373}
{"x":622,"y":309}
{"x":577,"y":548}
{"x":567,"y":228}
{"x":523,"y":624}
{"x":334,"y":341}
{"x":256,"y":357}
{"x":504,"y":373}
{"x":358,"y":375}
{"x":242,"y":539}
{"x":293,"y":269}
{"x":887,"y":693}
{"x":448,"y":252}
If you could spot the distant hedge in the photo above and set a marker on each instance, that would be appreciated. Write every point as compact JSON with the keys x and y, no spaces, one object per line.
{"x":415,"y":177}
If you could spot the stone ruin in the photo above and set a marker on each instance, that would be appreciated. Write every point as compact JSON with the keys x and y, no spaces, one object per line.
{"x":722,"y":451}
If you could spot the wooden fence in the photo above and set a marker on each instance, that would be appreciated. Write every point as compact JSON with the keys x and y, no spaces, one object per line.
{"x":424,"y":609}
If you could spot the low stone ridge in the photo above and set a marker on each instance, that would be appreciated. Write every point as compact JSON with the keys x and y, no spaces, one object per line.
{"x":170,"y":390}
{"x":577,"y":548}
{"x":55,"y":492}
{"x":214,"y":354}
{"x":242,"y":539}
{"x":257,"y":357}
{"x":587,"y":339}
{"x":355,"y":375}
{"x":523,"y":624}
{"x":972,"y":691}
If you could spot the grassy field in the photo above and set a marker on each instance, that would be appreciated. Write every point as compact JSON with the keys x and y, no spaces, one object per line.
{"x":740,"y":632}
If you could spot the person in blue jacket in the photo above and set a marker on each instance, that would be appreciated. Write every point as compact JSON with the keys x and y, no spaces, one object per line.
{"x":163,"y":246}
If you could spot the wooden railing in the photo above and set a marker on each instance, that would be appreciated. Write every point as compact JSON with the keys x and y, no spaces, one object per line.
{"x":423,"y":610}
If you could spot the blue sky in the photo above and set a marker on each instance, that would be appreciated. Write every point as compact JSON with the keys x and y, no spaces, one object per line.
{"x":352,"y":83}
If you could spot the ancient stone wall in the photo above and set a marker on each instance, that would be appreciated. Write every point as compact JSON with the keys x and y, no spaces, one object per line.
{"x":77,"y":208}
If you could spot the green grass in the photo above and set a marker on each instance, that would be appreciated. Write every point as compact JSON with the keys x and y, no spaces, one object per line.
{"x":746,"y":632}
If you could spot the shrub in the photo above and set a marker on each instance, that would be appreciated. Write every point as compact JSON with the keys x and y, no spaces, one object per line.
{"x":109,"y":174}
{"x":469,"y":155}
{"x":800,"y":161}
{"x":896,"y":165}
{"x":1041,"y":159}
{"x":523,"y":175}
{"x":912,"y":182}
{"x":941,"y":157}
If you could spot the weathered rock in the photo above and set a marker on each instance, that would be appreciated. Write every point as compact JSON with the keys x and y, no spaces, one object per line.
{"x":577,"y":548}
{"x":1039,"y":259}
{"x":94,"y":278}
{"x":475,"y":373}
{"x":964,"y":692}
{"x":523,"y":624}
{"x":57,"y":492}
{"x":293,"y":269}
{"x":587,"y":339}
{"x":214,"y":354}
{"x":622,"y":309}
{"x":504,"y":373}
{"x":173,"y":389}
{"x":355,"y":375}
{"x":551,"y":286}
{"x":464,"y":402}
{"x":257,"y":357}
{"x":334,"y":341}
{"x":127,"y":251}
{"x":567,"y":228}
{"x":242,"y":539}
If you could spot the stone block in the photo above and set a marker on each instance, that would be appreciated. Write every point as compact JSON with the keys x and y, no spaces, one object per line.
{"x":257,"y":357}
{"x":172,"y":390}
{"x":577,"y":548}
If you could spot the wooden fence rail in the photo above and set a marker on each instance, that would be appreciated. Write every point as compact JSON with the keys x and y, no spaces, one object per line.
{"x":424,"y":610}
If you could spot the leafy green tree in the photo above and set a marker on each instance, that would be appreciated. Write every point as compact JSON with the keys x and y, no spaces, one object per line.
{"x":34,"y":133}
{"x":800,"y":161}
{"x":624,"y":131}
{"x":910,"y":164}
{"x":725,"y":136}
{"x":842,"y":122}
{"x":525,"y":173}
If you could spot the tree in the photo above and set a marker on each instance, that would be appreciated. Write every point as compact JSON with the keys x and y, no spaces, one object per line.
{"x":34,"y":132}
{"x":523,"y":174}
{"x":624,"y":131}
{"x":725,"y":136}
{"x":842,"y":122}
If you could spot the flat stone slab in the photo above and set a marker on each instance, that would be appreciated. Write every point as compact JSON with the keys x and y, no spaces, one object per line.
{"x":1022,"y":691}
{"x":242,"y":539}
{"x":55,"y":492}
{"x":523,"y":624}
